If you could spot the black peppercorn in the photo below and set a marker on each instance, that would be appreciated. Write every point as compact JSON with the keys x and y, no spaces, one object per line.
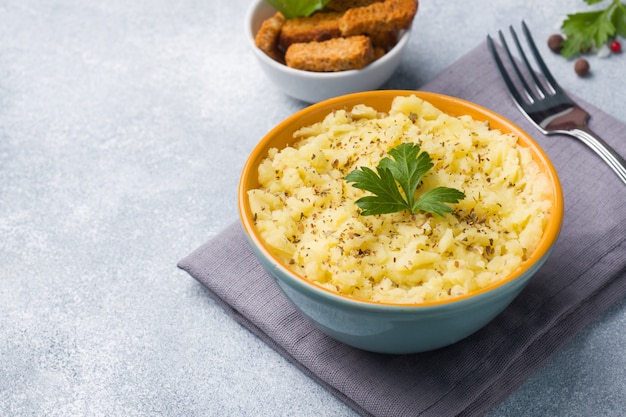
{"x":555,"y":43}
{"x":581,"y":67}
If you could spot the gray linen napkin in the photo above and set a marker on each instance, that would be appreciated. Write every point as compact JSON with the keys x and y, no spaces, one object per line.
{"x":584,"y":276}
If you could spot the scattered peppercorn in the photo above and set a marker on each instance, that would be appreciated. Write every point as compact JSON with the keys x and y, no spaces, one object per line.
{"x":581,"y":67}
{"x":555,"y":43}
{"x":616,"y":47}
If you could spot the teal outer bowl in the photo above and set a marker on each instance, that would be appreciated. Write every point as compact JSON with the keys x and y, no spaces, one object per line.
{"x":385,"y":327}
{"x":388,"y":328}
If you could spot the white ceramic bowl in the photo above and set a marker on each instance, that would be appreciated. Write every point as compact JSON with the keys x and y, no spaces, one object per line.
{"x":312,"y":87}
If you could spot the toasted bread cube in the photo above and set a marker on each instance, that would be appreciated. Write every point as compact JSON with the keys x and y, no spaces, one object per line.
{"x":379,"y":52}
{"x":386,"y":16}
{"x":266,"y":38}
{"x":384,"y":40}
{"x":343,"y":5}
{"x":317,"y":27}
{"x":337,"y":54}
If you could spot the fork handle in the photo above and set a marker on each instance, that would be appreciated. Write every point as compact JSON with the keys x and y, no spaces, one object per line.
{"x":597,"y":144}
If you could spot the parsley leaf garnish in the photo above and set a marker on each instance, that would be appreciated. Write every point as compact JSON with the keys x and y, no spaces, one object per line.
{"x":406,"y":169}
{"x":298,"y":8}
{"x":585,"y":29}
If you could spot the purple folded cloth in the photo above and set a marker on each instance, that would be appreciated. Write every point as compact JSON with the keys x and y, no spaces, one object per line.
{"x":585,"y":275}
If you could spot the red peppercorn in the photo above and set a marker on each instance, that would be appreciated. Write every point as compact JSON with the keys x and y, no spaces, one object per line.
{"x":616,"y":47}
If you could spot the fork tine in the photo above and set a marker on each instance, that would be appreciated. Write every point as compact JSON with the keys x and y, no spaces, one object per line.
{"x":530,"y":95}
{"x":542,"y":65}
{"x":505,"y":75}
{"x":538,"y":84}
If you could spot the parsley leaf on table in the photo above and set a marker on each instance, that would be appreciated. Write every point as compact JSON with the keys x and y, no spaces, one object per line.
{"x":585,"y":29}
{"x":619,"y":19}
{"x":406,"y":169}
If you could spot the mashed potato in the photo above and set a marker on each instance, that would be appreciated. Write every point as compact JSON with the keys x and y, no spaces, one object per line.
{"x":306,"y":211}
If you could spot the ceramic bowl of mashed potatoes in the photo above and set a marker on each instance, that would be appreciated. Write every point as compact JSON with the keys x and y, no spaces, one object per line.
{"x":332,"y":52}
{"x":399,"y":282}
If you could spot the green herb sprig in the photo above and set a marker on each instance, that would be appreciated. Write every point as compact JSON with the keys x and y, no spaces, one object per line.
{"x":298,"y":8}
{"x":587,"y":29}
{"x":407,"y":168}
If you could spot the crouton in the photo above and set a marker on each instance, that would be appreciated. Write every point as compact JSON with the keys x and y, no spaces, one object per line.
{"x":343,"y":5}
{"x":317,"y":27}
{"x":266,"y":38}
{"x":378,"y":52}
{"x":380,"y":17}
{"x":384,"y":40}
{"x":337,"y":54}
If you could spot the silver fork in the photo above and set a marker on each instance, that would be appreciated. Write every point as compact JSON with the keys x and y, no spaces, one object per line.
{"x":547,"y":106}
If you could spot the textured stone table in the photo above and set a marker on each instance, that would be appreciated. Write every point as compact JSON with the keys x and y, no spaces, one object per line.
{"x":123,"y":129}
